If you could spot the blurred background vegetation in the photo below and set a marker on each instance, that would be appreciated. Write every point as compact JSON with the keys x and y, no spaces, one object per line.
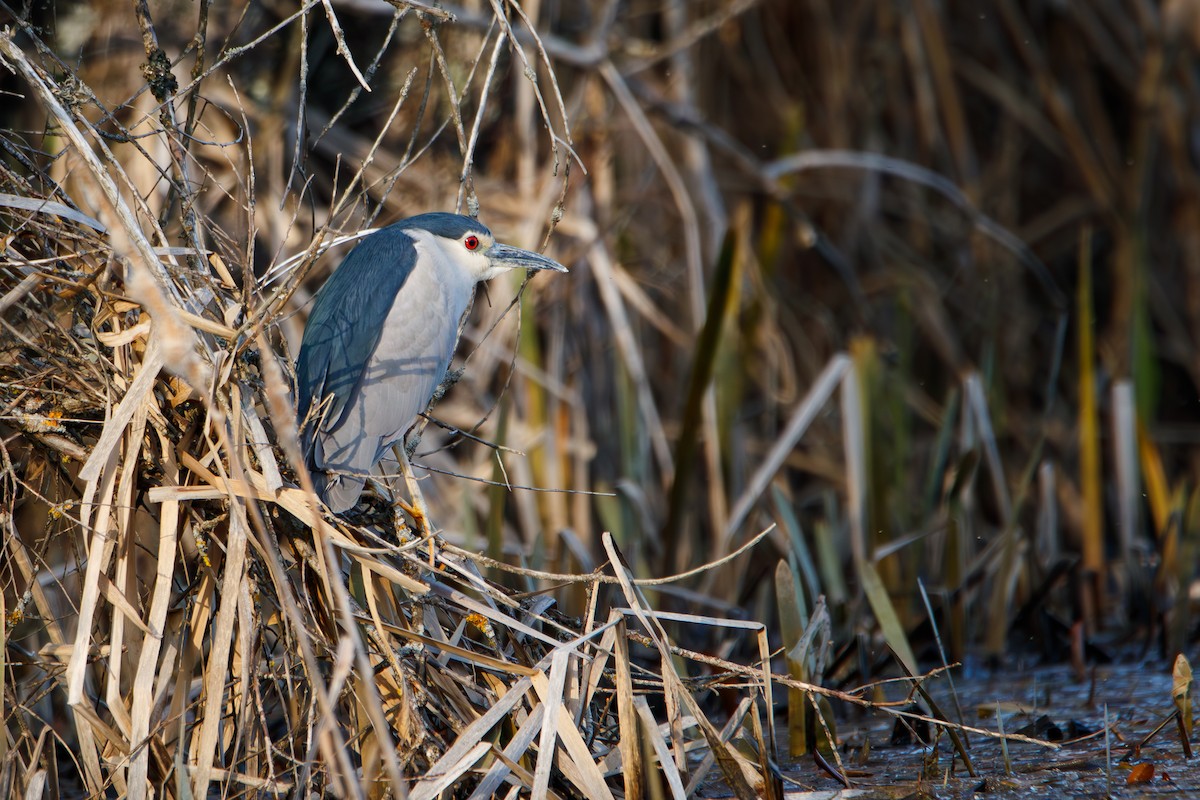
{"x":978,"y":223}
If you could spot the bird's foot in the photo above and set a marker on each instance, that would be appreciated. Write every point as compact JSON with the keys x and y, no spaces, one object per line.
{"x":419,"y":529}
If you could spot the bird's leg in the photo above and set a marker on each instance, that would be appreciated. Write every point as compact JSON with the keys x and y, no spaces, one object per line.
{"x":417,"y":508}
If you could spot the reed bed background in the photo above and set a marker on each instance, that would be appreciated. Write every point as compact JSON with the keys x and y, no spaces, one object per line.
{"x":880,"y":351}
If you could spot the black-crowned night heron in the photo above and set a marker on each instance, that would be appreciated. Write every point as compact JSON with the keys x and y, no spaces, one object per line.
{"x":380,"y":338}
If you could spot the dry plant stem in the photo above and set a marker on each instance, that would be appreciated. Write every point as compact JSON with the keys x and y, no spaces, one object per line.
{"x":580,"y":769}
{"x":237,"y":52}
{"x":342,"y":48}
{"x":117,"y":206}
{"x":365,"y":673}
{"x":696,"y":157}
{"x":198,"y":67}
{"x":219,"y":424}
{"x":856,"y":698}
{"x":268,"y":310}
{"x":531,"y":76}
{"x":1182,"y":728}
{"x":675,"y":183}
{"x":122,"y":610}
{"x":732,"y":725}
{"x":99,"y":552}
{"x":630,"y":742}
{"x":1125,"y":458}
{"x":506,"y":484}
{"x":161,"y":83}
{"x":937,"y":637}
{"x":673,"y":689}
{"x":833,"y":159}
{"x":602,"y":266}
{"x":1079,"y":145}
{"x":459,"y":433}
{"x":425,"y":8}
{"x":466,"y":178}
{"x":686,"y":37}
{"x":397,"y":16}
{"x":507,"y":761}
{"x":524,"y":135}
{"x":20,"y":291}
{"x":659,"y":747}
{"x":598,"y":577}
{"x":332,"y":745}
{"x":301,"y":107}
{"x":585,"y":771}
{"x":552,"y":703}
{"x":215,"y":678}
{"x":976,"y":401}
{"x":941,"y":67}
{"x":803,"y":416}
{"x":439,"y":56}
{"x":550,"y":46}
{"x":421,"y":514}
{"x":50,"y":208}
{"x":838,"y":775}
{"x":718,"y":503}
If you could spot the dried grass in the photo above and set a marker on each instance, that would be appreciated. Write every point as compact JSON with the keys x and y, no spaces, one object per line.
{"x":220,"y":633}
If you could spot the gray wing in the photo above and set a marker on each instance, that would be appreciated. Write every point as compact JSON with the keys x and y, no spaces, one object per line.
{"x":343,"y":332}
{"x":400,"y":377}
{"x":399,"y":380}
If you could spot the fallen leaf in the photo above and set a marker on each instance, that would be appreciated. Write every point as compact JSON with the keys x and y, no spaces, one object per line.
{"x":1141,"y":773}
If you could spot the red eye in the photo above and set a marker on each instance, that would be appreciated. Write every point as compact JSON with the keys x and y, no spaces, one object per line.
{"x":471,"y":242}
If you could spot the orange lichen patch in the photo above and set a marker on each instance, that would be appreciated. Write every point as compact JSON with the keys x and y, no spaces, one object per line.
{"x":60,"y":510}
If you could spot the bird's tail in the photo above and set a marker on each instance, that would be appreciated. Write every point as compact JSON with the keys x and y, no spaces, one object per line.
{"x":339,"y":492}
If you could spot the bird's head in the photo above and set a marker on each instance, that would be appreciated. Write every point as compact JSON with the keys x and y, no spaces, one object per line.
{"x":470,"y":244}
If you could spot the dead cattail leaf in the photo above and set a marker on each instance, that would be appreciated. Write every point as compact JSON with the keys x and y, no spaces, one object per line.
{"x":1181,"y":694}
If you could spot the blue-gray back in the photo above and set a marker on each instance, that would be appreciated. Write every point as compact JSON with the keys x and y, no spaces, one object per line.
{"x":346,"y":322}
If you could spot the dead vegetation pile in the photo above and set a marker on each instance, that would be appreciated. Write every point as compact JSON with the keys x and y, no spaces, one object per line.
{"x":188,"y":617}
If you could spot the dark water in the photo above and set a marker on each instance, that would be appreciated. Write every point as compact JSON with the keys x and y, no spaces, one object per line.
{"x":1043,"y":703}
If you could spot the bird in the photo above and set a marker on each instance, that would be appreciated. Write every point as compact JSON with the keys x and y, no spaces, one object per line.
{"x":379,"y":339}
